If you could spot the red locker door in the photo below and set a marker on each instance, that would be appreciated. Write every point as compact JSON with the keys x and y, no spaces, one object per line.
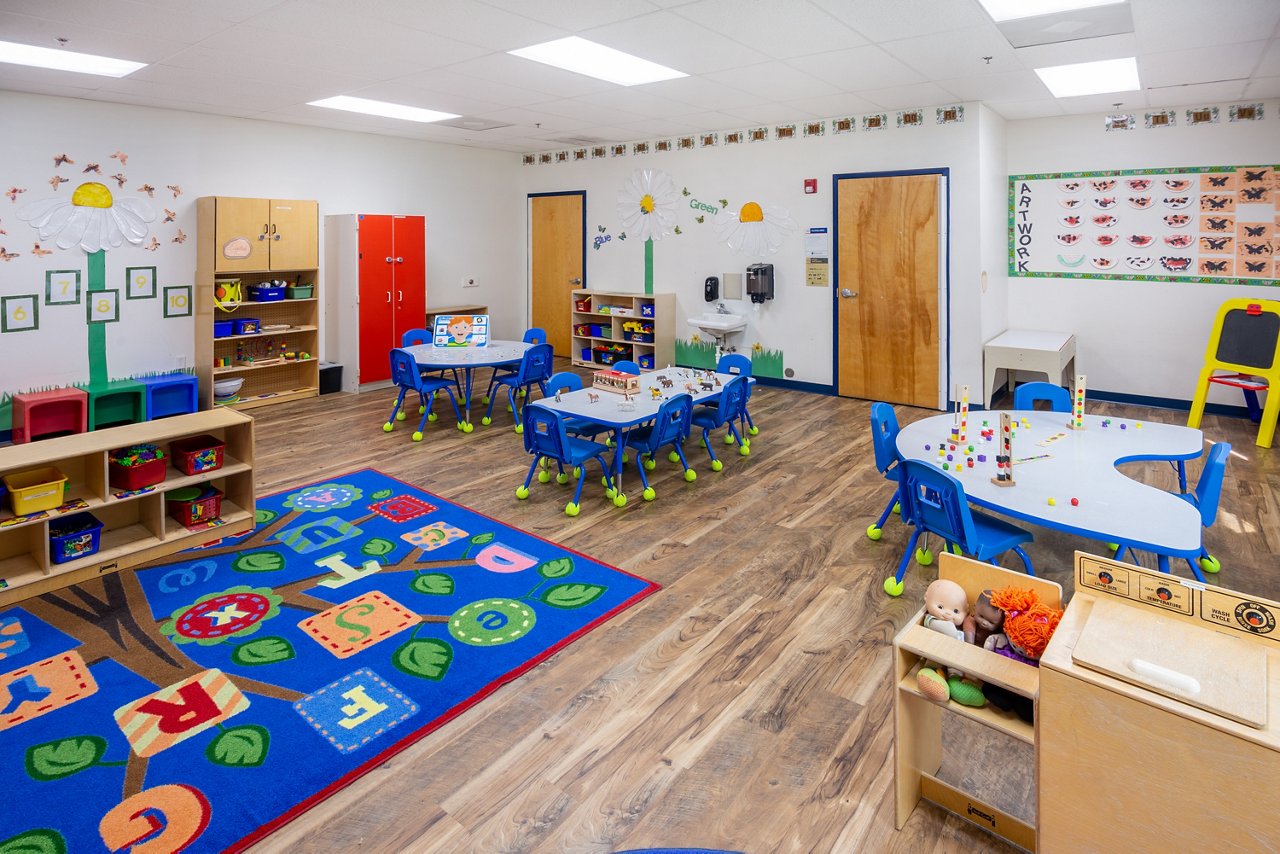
{"x":377,"y":308}
{"x":408,"y":242}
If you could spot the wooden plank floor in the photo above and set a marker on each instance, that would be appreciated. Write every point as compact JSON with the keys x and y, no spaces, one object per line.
{"x":747,"y":704}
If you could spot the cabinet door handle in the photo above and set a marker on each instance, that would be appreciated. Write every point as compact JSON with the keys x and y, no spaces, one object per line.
{"x":273,"y":228}
{"x":400,"y":298}
{"x":275,"y":237}
{"x":399,"y":260}
{"x":388,"y":297}
{"x":389,"y":259}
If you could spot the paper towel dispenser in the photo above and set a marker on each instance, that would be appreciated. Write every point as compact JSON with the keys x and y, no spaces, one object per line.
{"x":760,"y":282}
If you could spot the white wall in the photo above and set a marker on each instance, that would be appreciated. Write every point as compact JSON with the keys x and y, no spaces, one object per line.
{"x":993,"y":217}
{"x":473,"y":211}
{"x":1143,"y":338}
{"x":799,"y":319}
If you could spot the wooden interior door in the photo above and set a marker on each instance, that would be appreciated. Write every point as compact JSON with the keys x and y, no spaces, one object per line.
{"x":887,"y":288}
{"x":295,"y":235}
{"x":241,"y":219}
{"x":557,"y":250}
{"x":409,"y":248}
{"x":377,"y":298}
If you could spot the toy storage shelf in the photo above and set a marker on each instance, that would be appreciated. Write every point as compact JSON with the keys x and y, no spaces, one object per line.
{"x":136,"y":529}
{"x":220,"y":220}
{"x":651,"y":355}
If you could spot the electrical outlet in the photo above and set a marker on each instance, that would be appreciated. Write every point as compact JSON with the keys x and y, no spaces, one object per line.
{"x":469,"y":282}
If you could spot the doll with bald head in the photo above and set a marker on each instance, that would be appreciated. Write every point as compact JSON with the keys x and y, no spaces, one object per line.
{"x":946,"y":608}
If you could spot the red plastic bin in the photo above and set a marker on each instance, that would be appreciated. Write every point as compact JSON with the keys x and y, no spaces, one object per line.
{"x":197,"y":454}
{"x":194,"y":505}
{"x":139,"y":476}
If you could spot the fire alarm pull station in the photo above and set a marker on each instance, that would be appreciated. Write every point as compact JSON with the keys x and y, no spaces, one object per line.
{"x":810,"y":185}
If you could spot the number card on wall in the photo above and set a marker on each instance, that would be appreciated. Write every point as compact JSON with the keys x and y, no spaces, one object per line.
{"x":62,"y":287}
{"x":461,"y":330}
{"x":177,"y":301}
{"x":20,"y":313}
{"x":140,"y":282}
{"x":1208,"y":224}
{"x":103,"y":306}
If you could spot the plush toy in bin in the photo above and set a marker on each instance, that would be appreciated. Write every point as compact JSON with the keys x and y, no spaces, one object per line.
{"x":1027,"y":627}
{"x":946,"y":607}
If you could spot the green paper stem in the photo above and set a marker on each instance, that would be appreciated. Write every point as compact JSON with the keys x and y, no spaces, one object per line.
{"x":648,"y":266}
{"x":97,"y":331}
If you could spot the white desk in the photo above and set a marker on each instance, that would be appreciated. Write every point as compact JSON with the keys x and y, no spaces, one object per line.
{"x":1081,"y":464}
{"x":1049,"y":353}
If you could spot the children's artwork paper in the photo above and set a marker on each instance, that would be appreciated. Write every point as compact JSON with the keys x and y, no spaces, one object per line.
{"x":461,"y":330}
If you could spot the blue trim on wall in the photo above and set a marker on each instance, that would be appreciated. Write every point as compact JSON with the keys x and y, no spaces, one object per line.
{"x":797,"y":385}
{"x":1173,"y":403}
{"x":944,"y":171}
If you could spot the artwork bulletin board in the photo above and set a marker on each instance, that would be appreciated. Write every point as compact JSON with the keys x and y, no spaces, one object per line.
{"x":1205,"y":224}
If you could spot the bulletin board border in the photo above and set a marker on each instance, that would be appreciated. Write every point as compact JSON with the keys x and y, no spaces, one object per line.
{"x":1127,"y":277}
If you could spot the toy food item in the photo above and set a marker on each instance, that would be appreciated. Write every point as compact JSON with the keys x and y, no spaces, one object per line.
{"x":946,"y":606}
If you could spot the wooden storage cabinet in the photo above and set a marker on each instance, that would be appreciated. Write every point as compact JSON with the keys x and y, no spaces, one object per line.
{"x":282,"y":236}
{"x":592,"y":328}
{"x":136,"y":529}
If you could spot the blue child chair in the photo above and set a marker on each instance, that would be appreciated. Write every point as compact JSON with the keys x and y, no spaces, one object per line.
{"x":545,"y":437}
{"x":1205,"y":499}
{"x":1026,"y":395}
{"x":574,"y":425}
{"x":934,"y":502}
{"x":532,"y":335}
{"x":535,"y":369}
{"x":739,"y":365}
{"x":404,"y":373}
{"x":726,"y":413}
{"x":884,"y":440}
{"x":670,"y":426}
{"x":412,"y":337}
{"x":626,"y":366}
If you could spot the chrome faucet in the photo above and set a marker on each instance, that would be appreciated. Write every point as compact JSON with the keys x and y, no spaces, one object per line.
{"x":720,"y":309}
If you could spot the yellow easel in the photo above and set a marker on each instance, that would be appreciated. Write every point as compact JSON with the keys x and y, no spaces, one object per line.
{"x":1245,"y":340}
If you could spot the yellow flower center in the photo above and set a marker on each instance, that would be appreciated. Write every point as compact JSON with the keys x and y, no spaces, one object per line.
{"x":751,"y":213}
{"x":91,"y":195}
{"x":646,"y":204}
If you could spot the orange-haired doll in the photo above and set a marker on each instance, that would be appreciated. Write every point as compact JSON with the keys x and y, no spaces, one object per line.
{"x":1028,"y":624}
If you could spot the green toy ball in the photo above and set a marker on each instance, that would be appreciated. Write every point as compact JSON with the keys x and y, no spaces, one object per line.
{"x":893,"y":586}
{"x":924,"y":557}
{"x":610,"y":492}
{"x":417,"y":436}
{"x":433,"y":418}
{"x":522,"y":492}
{"x":716,"y":465}
{"x":604,"y":481}
{"x":619,"y":500}
{"x":728,"y":438}
{"x":386,"y":428}
{"x":562,"y":478}
{"x":649,"y":494}
{"x":400,"y":415}
{"x":753,"y":430}
{"x":897,"y":507}
{"x":1210,"y":564}
{"x":745,"y":450}
{"x":650,"y":464}
{"x":690,"y":475}
{"x":1113,"y":546}
{"x":874,"y":533}
{"x":626,"y":458}
{"x":673,"y":457}
{"x":544,"y":476}
{"x":544,"y":462}
{"x":577,"y":471}
{"x":519,"y":429}
{"x":466,"y":426}
{"x":421,"y":409}
{"x":571,"y":509}
{"x":485,"y":400}
{"x":486,"y":420}
{"x":702,"y":443}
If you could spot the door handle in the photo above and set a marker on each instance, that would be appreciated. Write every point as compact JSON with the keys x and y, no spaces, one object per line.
{"x":399,"y":260}
{"x":575,"y":281}
{"x":388,"y":259}
{"x":400,"y":296}
{"x":845,"y":293}
{"x":388,"y":297}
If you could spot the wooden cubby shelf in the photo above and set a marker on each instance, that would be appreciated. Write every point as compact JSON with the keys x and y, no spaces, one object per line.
{"x":656,"y":352}
{"x":135,"y":526}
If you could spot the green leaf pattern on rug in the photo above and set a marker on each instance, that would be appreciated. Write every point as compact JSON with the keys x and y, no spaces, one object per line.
{"x":268,"y":650}
{"x":38,"y":841}
{"x":377,"y":547}
{"x":54,"y":760}
{"x":478,"y":540}
{"x":569,"y":596}
{"x":240,"y":747}
{"x":381,"y":494}
{"x":259,"y":562}
{"x":263,"y":516}
{"x":556,"y":567}
{"x":432,"y":584}
{"x":427,"y":658}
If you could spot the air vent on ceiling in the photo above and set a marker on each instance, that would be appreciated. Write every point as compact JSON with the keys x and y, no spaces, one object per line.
{"x":474,"y":124}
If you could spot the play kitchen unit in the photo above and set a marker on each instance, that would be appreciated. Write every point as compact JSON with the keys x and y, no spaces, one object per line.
{"x":1156,"y":717}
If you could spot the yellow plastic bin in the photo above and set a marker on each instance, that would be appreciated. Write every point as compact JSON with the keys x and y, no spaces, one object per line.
{"x":35,"y":490}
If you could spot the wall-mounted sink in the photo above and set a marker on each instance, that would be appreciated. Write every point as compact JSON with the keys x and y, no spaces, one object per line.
{"x":718,"y":325}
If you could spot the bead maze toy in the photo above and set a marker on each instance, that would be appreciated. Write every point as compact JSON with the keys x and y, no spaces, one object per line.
{"x":1244,"y":342}
{"x":1004,"y":456}
{"x":1077,"y":404}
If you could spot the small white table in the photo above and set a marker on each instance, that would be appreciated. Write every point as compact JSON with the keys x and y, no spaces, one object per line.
{"x":497,"y":354}
{"x":1049,"y":353}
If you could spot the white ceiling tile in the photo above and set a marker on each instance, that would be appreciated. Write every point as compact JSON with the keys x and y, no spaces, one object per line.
{"x":1200,"y":93}
{"x":1270,"y":64}
{"x":1035,"y":109}
{"x":1008,"y":86}
{"x":1084,"y":50}
{"x":231,"y":10}
{"x":675,"y":42}
{"x":1199,"y":65}
{"x":531,"y":119}
{"x":775,"y":28}
{"x":265,"y":68}
{"x":883,"y":20}
{"x":462,"y":20}
{"x":176,"y":84}
{"x":654,"y":128}
{"x":413,"y":96}
{"x":1263,"y":87}
{"x":638,"y":103}
{"x":1176,"y":24}
{"x":772,"y":114}
{"x":507,"y":69}
{"x":956,"y":54}
{"x":719,"y":121}
{"x":162,"y":24}
{"x":244,"y":39}
{"x":21,"y":78}
{"x":833,"y":106}
{"x":449,"y":82}
{"x":82,"y":38}
{"x":910,"y":96}
{"x":183,"y":104}
{"x":773,"y":81}
{"x":1130,"y":102}
{"x":595,"y":113}
{"x":574,"y":15}
{"x":866,"y":67}
{"x":699,"y":92}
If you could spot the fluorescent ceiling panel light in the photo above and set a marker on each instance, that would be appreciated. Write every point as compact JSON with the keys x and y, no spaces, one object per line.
{"x":66,"y":60}
{"x":595,"y":60}
{"x":381,"y":108}
{"x":1011,"y":10}
{"x":1091,"y":78}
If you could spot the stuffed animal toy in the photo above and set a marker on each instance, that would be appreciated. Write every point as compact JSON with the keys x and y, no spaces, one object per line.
{"x":946,"y":606}
{"x":1028,"y":625}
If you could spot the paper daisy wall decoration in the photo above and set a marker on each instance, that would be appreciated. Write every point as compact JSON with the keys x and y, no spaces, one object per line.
{"x":647,"y":205}
{"x":755,"y":230}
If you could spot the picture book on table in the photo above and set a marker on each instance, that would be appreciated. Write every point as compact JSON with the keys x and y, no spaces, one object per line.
{"x":461,"y":330}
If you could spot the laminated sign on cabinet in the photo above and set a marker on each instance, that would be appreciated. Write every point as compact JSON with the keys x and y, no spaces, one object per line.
{"x":264,"y":234}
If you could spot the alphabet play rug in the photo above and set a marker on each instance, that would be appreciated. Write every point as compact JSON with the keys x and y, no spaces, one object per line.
{"x":199,"y":704}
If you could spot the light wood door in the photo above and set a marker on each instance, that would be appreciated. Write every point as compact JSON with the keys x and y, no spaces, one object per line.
{"x":556,"y":257}
{"x":295,"y":235}
{"x":237,"y":223}
{"x":887,"y":288}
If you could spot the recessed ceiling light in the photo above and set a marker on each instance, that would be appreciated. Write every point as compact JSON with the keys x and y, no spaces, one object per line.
{"x":595,"y":60}
{"x":1091,"y":78}
{"x":1011,"y":10}
{"x":66,"y":60}
{"x":381,"y":108}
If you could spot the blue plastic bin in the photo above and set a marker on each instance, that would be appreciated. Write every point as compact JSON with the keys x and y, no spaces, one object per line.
{"x":74,"y":537}
{"x":266,"y":293}
{"x":222,"y":328}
